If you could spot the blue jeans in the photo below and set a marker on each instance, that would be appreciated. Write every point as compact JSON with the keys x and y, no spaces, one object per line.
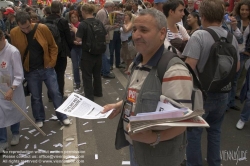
{"x":132,"y":156}
{"x":3,"y":132}
{"x":232,"y":93}
{"x":115,"y":45}
{"x":35,"y":79}
{"x":76,"y":54}
{"x":245,"y":113}
{"x":105,"y":62}
{"x":215,"y":106}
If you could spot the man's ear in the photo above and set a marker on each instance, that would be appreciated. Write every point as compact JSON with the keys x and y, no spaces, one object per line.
{"x":163,"y":33}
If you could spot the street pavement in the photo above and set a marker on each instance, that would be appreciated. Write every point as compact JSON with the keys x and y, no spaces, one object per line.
{"x":91,"y":142}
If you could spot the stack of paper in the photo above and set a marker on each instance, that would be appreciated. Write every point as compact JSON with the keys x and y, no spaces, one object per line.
{"x":166,"y":116}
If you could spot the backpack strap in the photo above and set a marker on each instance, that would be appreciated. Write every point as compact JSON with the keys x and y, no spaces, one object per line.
{"x":213,"y":34}
{"x":173,"y":49}
{"x":168,"y":59}
{"x":196,"y":81}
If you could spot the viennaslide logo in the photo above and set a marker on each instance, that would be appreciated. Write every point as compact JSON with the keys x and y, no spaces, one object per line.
{"x":237,"y":155}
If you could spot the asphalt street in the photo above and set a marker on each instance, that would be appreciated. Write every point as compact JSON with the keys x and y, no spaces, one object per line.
{"x":91,"y":142}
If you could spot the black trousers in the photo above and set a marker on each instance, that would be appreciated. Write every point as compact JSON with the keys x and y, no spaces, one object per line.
{"x":91,"y":75}
{"x":60,"y":68}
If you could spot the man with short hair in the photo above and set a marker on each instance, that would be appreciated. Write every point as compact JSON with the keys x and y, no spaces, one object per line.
{"x":149,"y":32}
{"x":90,"y":63}
{"x":103,"y":16}
{"x":65,"y":45}
{"x":39,"y":53}
{"x":197,"y":51}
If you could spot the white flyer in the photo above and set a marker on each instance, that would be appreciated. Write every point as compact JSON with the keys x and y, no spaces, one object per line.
{"x":81,"y":107}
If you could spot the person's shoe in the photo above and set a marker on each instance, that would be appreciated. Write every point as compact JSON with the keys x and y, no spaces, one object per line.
{"x":120,"y":66}
{"x":39,"y":124}
{"x":235,"y":108}
{"x":77,"y":88}
{"x":98,"y":95}
{"x":240,"y":124}
{"x":66,"y":122}
{"x":15,"y":139}
{"x":110,"y":76}
{"x":111,"y":68}
{"x":237,"y":97}
{"x":3,"y":146}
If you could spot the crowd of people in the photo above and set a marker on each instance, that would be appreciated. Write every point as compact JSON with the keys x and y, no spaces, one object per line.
{"x":36,"y":53}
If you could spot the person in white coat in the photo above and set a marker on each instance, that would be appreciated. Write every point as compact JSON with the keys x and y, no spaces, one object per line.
{"x":11,"y":77}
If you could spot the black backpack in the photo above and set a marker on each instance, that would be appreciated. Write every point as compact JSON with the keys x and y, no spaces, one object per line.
{"x":96,"y":37}
{"x":52,"y":25}
{"x":221,"y":65}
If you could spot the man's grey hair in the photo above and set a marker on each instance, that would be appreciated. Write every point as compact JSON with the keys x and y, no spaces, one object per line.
{"x":108,"y":4}
{"x":160,"y":18}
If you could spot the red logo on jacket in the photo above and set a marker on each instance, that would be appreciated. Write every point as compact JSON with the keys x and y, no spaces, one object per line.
{"x":3,"y":65}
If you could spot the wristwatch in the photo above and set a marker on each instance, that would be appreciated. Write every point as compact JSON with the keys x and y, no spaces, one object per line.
{"x":157,"y":139}
{"x":12,"y":88}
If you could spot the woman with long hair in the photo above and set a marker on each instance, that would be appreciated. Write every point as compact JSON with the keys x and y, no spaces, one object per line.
{"x":193,"y":21}
{"x":76,"y":51}
{"x":127,"y":50}
{"x":242,"y":15}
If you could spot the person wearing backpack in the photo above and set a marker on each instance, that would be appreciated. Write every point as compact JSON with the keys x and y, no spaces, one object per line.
{"x":63,"y":40}
{"x":216,"y":76}
{"x":91,"y":34}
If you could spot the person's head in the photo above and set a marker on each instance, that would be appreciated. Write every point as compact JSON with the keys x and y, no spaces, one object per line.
{"x":158,"y":4}
{"x":211,"y":11}
{"x":109,"y":6}
{"x":226,"y":6}
{"x":127,"y":16}
{"x":34,"y":17}
{"x":242,"y":9}
{"x":87,"y":9}
{"x":40,"y":5}
{"x":56,"y":7}
{"x":9,"y":13}
{"x":128,"y":7}
{"x":148,"y":4}
{"x":135,"y":7}
{"x":193,"y":19}
{"x":149,"y":31}
{"x":47,"y":11}
{"x":23,"y":21}
{"x":120,"y":7}
{"x":174,"y":10}
{"x":73,"y":16}
{"x":29,"y":9}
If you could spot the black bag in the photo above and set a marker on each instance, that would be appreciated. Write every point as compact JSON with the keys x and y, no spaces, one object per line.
{"x":52,"y":25}
{"x":220,"y":68}
{"x":25,"y":83}
{"x":96,"y":37}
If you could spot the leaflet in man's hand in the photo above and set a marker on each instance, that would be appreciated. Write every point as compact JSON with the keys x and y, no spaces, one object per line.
{"x":81,"y":107}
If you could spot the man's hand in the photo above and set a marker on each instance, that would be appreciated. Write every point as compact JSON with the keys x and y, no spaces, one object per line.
{"x":9,"y":95}
{"x":233,"y":23}
{"x":147,"y":137}
{"x":116,"y":109}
